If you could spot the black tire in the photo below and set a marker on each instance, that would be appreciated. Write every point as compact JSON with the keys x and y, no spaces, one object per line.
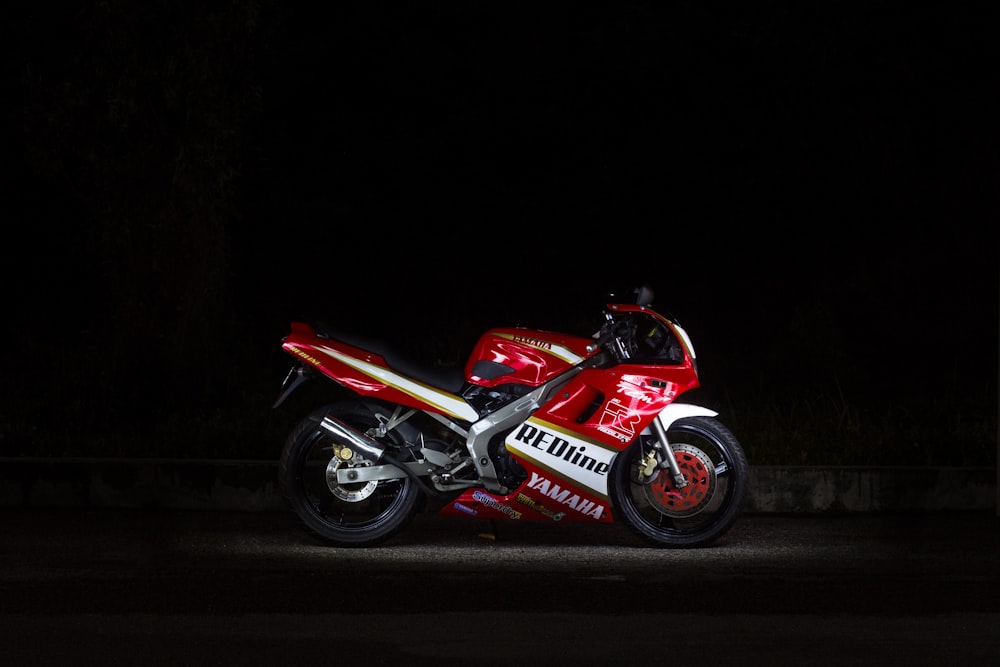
{"x":715,"y":465}
{"x":358,"y":515}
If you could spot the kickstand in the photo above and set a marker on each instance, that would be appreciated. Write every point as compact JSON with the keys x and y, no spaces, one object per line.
{"x":493,"y":534}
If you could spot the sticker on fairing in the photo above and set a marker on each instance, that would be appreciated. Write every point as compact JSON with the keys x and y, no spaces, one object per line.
{"x":586,"y":462}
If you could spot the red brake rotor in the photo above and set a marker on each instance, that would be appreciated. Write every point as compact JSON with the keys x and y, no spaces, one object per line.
{"x":698,"y":470}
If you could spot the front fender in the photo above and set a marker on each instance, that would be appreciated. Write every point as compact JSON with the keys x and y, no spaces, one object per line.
{"x":676,"y":411}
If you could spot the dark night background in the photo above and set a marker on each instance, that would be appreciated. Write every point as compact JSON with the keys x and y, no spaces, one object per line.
{"x":810,"y":187}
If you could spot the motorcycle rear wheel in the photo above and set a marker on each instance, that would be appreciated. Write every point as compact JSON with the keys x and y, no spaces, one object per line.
{"x":715,"y":467}
{"x":346,"y":515}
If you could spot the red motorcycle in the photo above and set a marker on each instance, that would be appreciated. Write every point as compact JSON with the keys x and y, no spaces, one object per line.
{"x":538,"y":426}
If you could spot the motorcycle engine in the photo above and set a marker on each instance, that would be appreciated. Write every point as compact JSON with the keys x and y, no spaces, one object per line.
{"x":509,"y":472}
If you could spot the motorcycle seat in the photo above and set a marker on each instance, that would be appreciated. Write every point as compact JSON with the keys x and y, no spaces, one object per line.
{"x":447,"y":378}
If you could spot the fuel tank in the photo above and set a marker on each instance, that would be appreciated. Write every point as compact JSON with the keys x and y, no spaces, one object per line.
{"x":524,"y":356}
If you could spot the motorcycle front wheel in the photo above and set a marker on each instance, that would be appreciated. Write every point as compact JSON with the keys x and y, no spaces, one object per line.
{"x":646,"y":498}
{"x":347,"y":515}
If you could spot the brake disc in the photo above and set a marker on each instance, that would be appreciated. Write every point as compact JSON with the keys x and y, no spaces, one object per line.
{"x":698,"y":470}
{"x":350,"y":493}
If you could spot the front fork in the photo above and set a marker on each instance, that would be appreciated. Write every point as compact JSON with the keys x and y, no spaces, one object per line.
{"x":670,"y":414}
{"x":668,"y":460}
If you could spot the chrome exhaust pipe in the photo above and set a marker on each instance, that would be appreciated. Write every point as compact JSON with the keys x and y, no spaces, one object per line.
{"x":371,"y":450}
{"x":368,"y":447}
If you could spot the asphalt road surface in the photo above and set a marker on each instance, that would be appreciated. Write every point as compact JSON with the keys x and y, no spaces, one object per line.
{"x":124,"y":587}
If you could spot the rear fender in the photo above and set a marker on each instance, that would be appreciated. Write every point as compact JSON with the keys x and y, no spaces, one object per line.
{"x":296,"y":376}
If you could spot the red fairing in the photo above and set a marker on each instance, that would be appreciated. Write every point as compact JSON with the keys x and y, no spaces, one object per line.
{"x":523,"y":356}
{"x":305,"y":344}
{"x":343,"y":363}
{"x":542,"y":497}
{"x":614,"y":408}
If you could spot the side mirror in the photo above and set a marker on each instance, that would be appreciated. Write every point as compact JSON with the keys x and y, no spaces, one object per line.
{"x":644,"y":295}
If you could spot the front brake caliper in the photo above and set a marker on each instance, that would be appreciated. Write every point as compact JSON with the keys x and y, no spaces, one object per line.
{"x":647,"y":467}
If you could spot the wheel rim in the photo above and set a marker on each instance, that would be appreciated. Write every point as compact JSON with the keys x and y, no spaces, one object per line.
{"x":699,"y":472}
{"x":347,"y":507}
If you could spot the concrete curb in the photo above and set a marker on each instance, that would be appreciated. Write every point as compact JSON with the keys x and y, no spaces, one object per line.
{"x":251,"y":486}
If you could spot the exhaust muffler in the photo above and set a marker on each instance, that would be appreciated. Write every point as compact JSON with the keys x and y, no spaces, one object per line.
{"x":368,"y":447}
{"x":372,"y":450}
